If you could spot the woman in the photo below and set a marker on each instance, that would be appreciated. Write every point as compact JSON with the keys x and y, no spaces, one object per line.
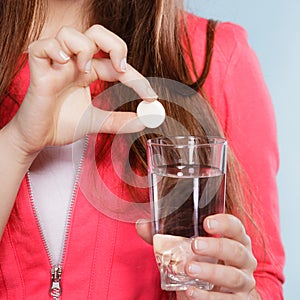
{"x":99,"y":257}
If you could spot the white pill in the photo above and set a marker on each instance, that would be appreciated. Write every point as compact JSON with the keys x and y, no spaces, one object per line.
{"x":151,"y":114}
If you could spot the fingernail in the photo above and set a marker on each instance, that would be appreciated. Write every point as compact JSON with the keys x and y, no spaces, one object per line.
{"x":140,"y":221}
{"x":123,"y":65}
{"x":212,"y":224}
{"x":151,"y":93}
{"x":64,"y":55}
{"x":88,"y":66}
{"x":194,"y":269}
{"x":201,"y":245}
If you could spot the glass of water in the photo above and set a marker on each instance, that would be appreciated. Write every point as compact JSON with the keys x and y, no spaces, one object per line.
{"x":187,"y":184}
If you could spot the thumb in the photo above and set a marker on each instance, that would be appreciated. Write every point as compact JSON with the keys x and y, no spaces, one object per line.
{"x":114,"y":121}
{"x":144,"y":230}
{"x":95,"y":120}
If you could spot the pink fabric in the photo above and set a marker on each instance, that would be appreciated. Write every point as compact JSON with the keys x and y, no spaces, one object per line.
{"x":105,"y":258}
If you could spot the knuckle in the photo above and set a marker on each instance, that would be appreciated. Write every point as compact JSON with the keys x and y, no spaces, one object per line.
{"x":231,"y":223}
{"x":240,"y":227}
{"x":97,"y":27}
{"x":220,"y":246}
{"x":239,"y":251}
{"x":248,"y":240}
{"x":241,"y":230}
{"x":63,"y":30}
{"x":123,"y":45}
{"x":31,"y":47}
{"x":51,"y":44}
{"x":254,"y":263}
{"x":38,"y":45}
{"x":213,"y":273}
{"x":236,"y":222}
{"x":238,"y":280}
{"x":120,"y":45}
{"x":87,"y":47}
{"x":231,"y":219}
{"x":252,"y":282}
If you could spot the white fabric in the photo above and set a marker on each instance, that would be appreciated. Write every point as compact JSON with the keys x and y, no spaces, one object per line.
{"x":52,"y":177}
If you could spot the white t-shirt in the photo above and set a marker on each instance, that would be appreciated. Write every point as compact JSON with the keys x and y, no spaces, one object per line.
{"x":52,"y":177}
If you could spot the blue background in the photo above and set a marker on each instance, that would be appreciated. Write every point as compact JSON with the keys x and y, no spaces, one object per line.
{"x":273,"y":28}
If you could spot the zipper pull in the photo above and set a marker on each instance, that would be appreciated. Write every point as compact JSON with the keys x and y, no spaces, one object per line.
{"x":55,"y":289}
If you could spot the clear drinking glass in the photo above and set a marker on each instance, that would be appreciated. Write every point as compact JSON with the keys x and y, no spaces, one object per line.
{"x":187,"y":184}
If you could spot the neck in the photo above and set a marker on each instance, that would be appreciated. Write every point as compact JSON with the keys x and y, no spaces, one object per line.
{"x":64,"y":13}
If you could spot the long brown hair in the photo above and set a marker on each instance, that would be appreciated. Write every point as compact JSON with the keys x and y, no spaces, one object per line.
{"x":158,"y":43}
{"x":18,"y":25}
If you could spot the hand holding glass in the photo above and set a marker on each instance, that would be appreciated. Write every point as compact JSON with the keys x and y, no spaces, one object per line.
{"x":187,"y":184}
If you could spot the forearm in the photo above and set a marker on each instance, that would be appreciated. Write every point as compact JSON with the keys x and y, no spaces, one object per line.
{"x":14,"y":164}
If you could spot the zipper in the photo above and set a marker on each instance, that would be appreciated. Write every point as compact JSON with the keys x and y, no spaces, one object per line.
{"x":56,"y":270}
{"x":55,"y":288}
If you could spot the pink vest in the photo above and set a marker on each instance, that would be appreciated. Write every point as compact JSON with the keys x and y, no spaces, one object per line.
{"x":104,"y":258}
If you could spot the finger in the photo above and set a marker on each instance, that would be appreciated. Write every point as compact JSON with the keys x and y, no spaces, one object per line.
{"x":230,"y":251}
{"x":76,"y":43}
{"x":114,"y":122}
{"x":228,"y":277}
{"x":194,"y":293}
{"x":47,"y":51}
{"x":144,"y":230}
{"x":94,"y":120}
{"x":110,"y":43}
{"x":228,"y":226}
{"x":103,"y":69}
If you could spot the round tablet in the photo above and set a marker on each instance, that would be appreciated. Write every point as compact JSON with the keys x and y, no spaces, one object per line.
{"x":151,"y":114}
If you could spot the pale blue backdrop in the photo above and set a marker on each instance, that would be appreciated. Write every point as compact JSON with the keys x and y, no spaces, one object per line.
{"x":274,"y":29}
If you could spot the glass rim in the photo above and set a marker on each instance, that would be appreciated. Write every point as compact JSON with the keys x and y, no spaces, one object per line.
{"x":216,"y":140}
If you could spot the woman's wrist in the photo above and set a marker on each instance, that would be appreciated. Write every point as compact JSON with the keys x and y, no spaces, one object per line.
{"x":14,"y":163}
{"x":13,"y":146}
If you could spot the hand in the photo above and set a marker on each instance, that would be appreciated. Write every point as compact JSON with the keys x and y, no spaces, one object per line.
{"x":57,"y":108}
{"x":234,"y":278}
